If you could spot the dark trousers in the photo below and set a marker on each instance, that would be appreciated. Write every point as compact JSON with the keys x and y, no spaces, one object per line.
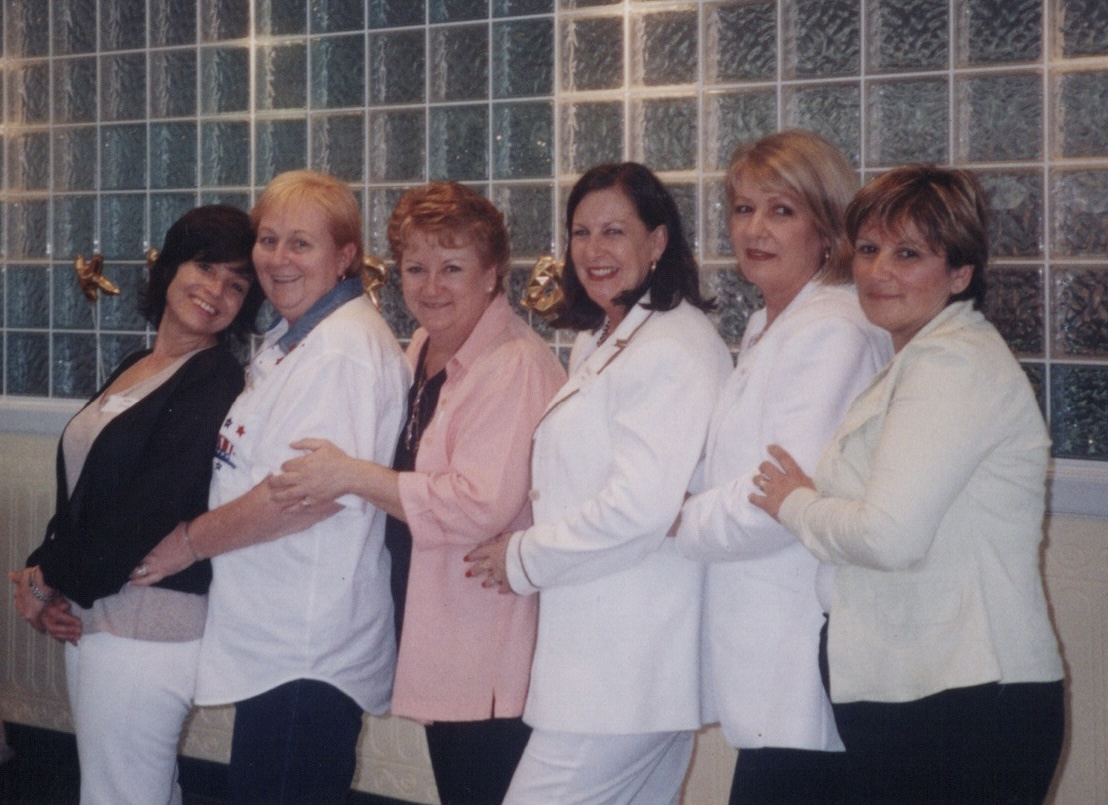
{"x":294,"y":744}
{"x":989,"y":743}
{"x":473,"y":761}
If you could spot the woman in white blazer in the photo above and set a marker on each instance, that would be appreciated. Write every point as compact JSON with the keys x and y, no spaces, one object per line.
{"x":944,"y":668}
{"x":614,"y":684}
{"x":803,"y":358}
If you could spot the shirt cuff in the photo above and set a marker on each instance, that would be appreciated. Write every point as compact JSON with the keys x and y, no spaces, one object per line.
{"x":518,"y":579}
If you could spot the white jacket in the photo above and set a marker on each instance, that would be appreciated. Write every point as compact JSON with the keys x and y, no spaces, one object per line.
{"x":791,"y":386}
{"x":618,"y":637}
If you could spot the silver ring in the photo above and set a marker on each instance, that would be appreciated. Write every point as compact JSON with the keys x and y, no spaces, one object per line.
{"x":142,"y":570}
{"x":760,"y":481}
{"x":305,"y":502}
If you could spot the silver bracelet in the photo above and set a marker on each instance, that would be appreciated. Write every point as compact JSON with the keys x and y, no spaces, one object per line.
{"x":38,"y":592}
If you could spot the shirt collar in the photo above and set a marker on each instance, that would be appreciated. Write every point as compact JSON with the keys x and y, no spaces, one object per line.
{"x":350,"y":288}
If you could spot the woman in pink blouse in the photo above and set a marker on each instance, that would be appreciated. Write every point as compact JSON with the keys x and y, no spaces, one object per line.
{"x":459,"y":477}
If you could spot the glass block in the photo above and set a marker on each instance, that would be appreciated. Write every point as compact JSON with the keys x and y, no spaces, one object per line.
{"x":122,"y":25}
{"x":1080,"y":222}
{"x":1036,"y":376}
{"x":833,"y":110}
{"x":225,"y":153}
{"x":74,"y":369}
{"x":685,"y":197}
{"x":458,"y":143}
{"x":331,"y":16}
{"x":172,"y":83}
{"x":379,"y":204}
{"x":172,"y":22}
{"x":74,"y":90}
{"x":123,"y":226}
{"x":28,"y":161}
{"x":224,"y":80}
{"x":28,"y":93}
{"x":1079,"y":411}
{"x":395,"y":13}
{"x":822,"y":38}
{"x":26,"y":228}
{"x":733,"y":118}
{"x":240,"y":199}
{"x":459,"y":66}
{"x":224,"y":19}
{"x":121,"y":312}
{"x":666,"y":50}
{"x":393,"y":308}
{"x":592,"y":53}
{"x":74,"y":226}
{"x":523,"y":58}
{"x":28,"y":296}
{"x":456,"y":10}
{"x":529,"y":213}
{"x":28,"y":364}
{"x":908,"y":121}
{"x":740,"y":42}
{"x":281,"y":17}
{"x":1015,"y":212}
{"x":71,"y":310}
{"x":1084,"y":27}
{"x":907,"y":36}
{"x":114,"y":348}
{"x":74,"y":158}
{"x":572,"y":4}
{"x":165,"y":208}
{"x":397,"y":145}
{"x":664,"y":133}
{"x":74,"y":23}
{"x":519,"y":8}
{"x":338,"y":72}
{"x":123,"y":157}
{"x":717,"y":213}
{"x":1000,"y":31}
{"x":397,"y":67}
{"x":279,"y":146}
{"x":591,"y":133}
{"x":736,"y":299}
{"x":523,"y":140}
{"x":281,"y":72}
{"x":173,"y":155}
{"x":338,"y":145}
{"x":1080,"y":311}
{"x":1014,"y":304}
{"x":514,"y":286}
{"x":1000,"y":117}
{"x":27,"y":32}
{"x":1082,"y":113}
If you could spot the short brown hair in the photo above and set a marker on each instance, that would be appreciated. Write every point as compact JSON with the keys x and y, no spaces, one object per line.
{"x":333,"y":197}
{"x":809,"y":167}
{"x":456,"y":216}
{"x":946,"y":205}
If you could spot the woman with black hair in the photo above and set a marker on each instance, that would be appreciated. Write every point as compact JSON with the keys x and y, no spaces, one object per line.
{"x":133,"y":465}
{"x":614,"y":696}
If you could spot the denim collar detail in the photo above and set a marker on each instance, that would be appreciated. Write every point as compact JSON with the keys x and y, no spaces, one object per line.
{"x":350,"y":288}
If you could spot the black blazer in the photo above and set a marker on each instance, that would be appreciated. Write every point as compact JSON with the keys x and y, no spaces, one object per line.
{"x":148,"y":470}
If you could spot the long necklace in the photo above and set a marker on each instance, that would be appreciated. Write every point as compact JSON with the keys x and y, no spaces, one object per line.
{"x":413,"y":431}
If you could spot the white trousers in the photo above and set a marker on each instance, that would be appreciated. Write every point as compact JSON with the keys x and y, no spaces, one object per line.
{"x":563,"y":768}
{"x":129,"y":700}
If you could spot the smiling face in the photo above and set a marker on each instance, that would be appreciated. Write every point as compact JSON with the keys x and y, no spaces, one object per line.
{"x":776,"y":241}
{"x":297,"y":258}
{"x":902,"y":282}
{"x":203,"y":298}
{"x":611,"y":247}
{"x":446,"y":287}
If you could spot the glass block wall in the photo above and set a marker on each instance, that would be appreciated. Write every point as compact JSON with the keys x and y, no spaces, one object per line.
{"x":117,"y":115}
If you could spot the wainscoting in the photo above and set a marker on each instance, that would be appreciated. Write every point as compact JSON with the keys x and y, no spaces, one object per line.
{"x":393,"y":755}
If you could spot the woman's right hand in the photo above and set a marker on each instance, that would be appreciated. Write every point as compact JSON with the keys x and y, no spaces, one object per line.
{"x":318,"y":476}
{"x":60,"y":623}
{"x":28,"y":605}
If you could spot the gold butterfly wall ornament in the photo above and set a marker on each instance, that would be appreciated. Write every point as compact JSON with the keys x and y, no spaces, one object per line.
{"x":374,"y":275}
{"x":544,"y":293}
{"x":90,"y":276}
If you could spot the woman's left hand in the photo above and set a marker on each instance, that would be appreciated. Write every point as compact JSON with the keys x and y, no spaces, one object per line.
{"x":28,"y":605}
{"x":488,"y":563}
{"x":172,"y":555}
{"x":60,"y":623}
{"x":778,"y":481}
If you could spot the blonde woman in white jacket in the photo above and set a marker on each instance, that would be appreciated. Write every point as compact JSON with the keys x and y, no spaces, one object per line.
{"x":803,"y":358}
{"x":944,"y":667}
{"x":614,"y":684}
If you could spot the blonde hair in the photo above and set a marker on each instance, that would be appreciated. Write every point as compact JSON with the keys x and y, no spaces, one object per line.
{"x":809,"y":167}
{"x":333,"y":197}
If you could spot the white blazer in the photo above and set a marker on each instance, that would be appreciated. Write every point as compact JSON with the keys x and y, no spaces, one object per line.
{"x":618,"y":635}
{"x":792,"y":385}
